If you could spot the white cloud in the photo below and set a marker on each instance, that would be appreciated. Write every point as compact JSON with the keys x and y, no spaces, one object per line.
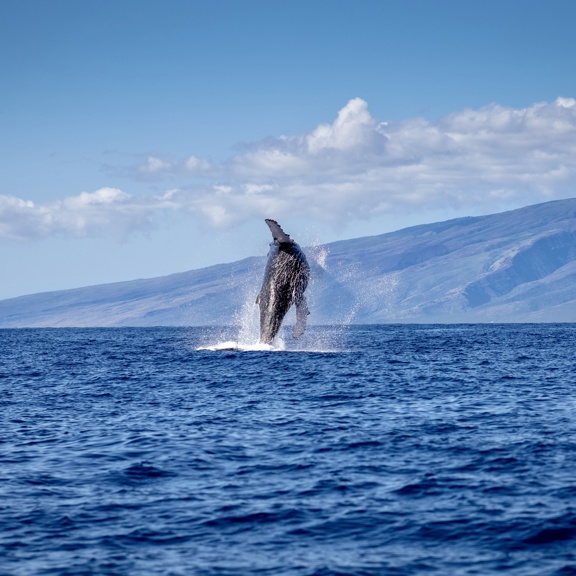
{"x":153,"y":165}
{"x":353,"y":128}
{"x":154,"y":168}
{"x":106,"y":211}
{"x":354,"y":168}
{"x":358,"y":167}
{"x":196,"y":165}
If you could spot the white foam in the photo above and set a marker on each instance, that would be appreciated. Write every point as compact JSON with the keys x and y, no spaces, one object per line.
{"x":239,"y":347}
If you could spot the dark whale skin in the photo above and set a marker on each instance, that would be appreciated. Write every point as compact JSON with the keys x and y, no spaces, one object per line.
{"x":285,"y":280}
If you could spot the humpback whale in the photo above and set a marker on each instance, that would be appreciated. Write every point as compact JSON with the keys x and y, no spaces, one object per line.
{"x":285,"y":279}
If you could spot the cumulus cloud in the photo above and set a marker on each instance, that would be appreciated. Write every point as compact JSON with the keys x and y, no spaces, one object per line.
{"x":106,"y":211}
{"x":356,"y":167}
{"x":153,"y":165}
{"x":353,"y":129}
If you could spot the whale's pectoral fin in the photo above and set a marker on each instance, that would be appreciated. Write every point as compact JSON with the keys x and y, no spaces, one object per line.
{"x":277,"y":233}
{"x":301,"y":313}
{"x":258,"y":298}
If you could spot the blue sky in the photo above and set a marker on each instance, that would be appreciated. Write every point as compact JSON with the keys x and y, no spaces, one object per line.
{"x":145,"y":137}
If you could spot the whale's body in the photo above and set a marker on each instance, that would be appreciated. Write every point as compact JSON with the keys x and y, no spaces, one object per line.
{"x":285,"y":279}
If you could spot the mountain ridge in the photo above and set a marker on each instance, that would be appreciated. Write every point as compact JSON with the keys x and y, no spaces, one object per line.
{"x":514,"y":266}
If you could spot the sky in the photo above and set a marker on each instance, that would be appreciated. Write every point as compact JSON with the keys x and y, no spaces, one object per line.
{"x":141,"y":138}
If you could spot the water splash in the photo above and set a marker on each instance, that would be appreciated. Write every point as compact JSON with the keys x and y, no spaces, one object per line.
{"x":248,"y":319}
{"x":244,"y":336}
{"x":237,"y":346}
{"x":318,"y":253}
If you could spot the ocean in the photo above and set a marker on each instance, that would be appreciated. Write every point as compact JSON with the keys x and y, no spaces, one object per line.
{"x":357,"y":450}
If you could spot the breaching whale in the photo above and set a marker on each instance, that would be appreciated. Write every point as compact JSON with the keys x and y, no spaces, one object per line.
{"x":285,"y":279}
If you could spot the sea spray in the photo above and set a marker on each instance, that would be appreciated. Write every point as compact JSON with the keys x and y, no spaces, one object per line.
{"x":243,"y":334}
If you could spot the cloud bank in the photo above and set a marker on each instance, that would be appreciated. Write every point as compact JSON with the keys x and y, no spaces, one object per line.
{"x":354,"y":168}
{"x":108,"y":211}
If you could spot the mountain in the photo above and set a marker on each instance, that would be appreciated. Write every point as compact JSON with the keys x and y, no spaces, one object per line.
{"x":516,"y":266}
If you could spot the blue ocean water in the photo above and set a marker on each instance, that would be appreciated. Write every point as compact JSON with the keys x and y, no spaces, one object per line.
{"x":361,"y":450}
